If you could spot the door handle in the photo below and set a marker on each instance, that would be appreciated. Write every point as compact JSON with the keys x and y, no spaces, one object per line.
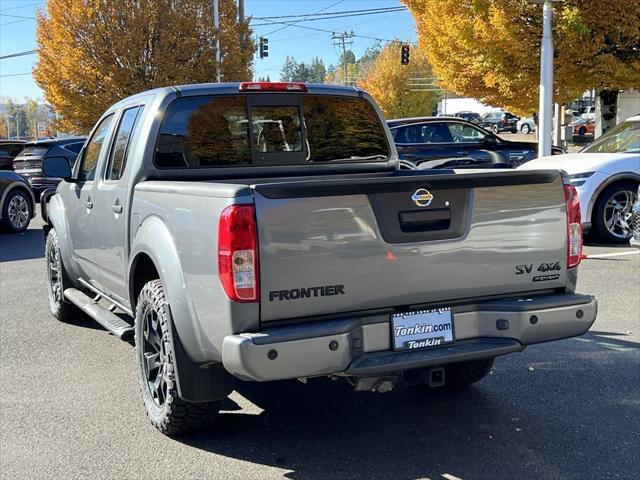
{"x":116,"y":208}
{"x":88,"y":204}
{"x":462,"y":152}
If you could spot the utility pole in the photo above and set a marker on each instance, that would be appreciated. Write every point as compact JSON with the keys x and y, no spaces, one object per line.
{"x":546,"y":79}
{"x":216,"y":24}
{"x":341,"y":39}
{"x":241,"y":21}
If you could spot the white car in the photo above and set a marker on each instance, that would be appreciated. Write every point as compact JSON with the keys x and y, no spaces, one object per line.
{"x":526,"y":125}
{"x":606,"y":174}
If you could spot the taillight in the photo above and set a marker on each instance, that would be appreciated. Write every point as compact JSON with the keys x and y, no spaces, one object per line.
{"x":574,"y":226}
{"x":238,"y":253}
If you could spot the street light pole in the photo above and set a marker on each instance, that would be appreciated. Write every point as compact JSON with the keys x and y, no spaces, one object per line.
{"x":546,"y":81}
{"x":216,"y":24}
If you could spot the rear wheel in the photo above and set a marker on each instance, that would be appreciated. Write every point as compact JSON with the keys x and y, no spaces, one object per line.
{"x":612,"y":212}
{"x":495,"y":129}
{"x":514,"y":130}
{"x":156,"y":369}
{"x":16,"y":211}
{"x":582,"y":131}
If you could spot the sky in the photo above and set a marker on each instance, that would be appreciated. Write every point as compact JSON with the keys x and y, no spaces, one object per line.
{"x":17,"y":34}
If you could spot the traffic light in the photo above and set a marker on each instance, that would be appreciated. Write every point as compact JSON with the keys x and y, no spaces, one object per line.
{"x":404,"y":58}
{"x":264,"y":47}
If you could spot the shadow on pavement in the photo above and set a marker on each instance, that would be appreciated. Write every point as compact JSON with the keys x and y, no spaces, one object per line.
{"x":324,"y":430}
{"x":21,"y":246}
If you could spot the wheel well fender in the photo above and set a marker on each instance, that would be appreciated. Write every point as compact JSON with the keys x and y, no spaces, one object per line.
{"x":618,"y":177}
{"x":57,"y":220}
{"x":154,"y":255}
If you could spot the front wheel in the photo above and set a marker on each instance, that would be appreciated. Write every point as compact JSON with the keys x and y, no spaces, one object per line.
{"x":612,"y":212}
{"x":156,"y":369}
{"x":495,"y":129}
{"x":525,"y":128}
{"x":57,"y":281}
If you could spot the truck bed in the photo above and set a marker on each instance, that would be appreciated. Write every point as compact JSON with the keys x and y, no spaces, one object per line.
{"x":355,"y":242}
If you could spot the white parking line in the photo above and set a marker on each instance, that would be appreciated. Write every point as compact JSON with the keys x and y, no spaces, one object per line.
{"x":616,"y":254}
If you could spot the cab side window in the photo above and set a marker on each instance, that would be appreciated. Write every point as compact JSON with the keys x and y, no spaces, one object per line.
{"x":121,"y":144}
{"x":94,"y":148}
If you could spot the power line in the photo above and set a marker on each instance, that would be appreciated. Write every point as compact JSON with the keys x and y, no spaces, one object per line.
{"x":19,"y":54}
{"x":20,"y":6}
{"x":293,"y":24}
{"x":15,"y":74}
{"x":306,"y":15}
{"x":326,"y":18}
{"x":16,"y":16}
{"x":333,"y":31}
{"x":15,"y":21}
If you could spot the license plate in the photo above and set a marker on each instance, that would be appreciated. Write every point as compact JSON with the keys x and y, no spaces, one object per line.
{"x":422,"y":329}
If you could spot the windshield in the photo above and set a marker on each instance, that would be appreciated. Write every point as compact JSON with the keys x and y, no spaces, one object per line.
{"x":624,"y":138}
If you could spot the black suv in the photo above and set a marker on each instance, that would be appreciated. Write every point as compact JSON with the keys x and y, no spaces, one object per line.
{"x":472,"y":117}
{"x":8,"y":151}
{"x":426,"y":141}
{"x":500,"y":122}
{"x":29,"y":162}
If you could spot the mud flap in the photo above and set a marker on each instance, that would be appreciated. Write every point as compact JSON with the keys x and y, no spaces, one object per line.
{"x":197,"y":384}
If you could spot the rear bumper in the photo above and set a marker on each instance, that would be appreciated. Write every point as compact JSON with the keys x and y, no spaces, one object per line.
{"x":362,"y":345}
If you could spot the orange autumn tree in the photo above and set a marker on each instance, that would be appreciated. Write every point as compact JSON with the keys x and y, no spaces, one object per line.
{"x":387,"y":80}
{"x":490,"y":49}
{"x":93,"y":53}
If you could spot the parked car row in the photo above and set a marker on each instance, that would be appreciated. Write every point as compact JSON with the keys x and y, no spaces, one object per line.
{"x":28,"y":163}
{"x":447,"y":142}
{"x":22,"y":181}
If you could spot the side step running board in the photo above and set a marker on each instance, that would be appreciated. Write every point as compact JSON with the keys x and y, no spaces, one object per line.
{"x":103,"y":316}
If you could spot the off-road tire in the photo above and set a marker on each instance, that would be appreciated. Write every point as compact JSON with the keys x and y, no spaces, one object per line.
{"x":597,"y":217}
{"x":174,"y":415}
{"x":60,"y":308}
{"x":6,"y":222}
{"x":460,"y":375}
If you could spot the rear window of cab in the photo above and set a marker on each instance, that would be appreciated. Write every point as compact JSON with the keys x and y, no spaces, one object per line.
{"x":218,"y":131}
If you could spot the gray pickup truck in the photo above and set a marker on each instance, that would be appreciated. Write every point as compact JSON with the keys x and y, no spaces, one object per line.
{"x":264,"y":231}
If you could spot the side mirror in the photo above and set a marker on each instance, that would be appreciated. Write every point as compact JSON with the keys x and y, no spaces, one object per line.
{"x":490,"y":140}
{"x":57,"y":167}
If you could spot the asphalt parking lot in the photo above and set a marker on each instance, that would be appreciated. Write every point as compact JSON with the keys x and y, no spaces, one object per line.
{"x":69,"y":405}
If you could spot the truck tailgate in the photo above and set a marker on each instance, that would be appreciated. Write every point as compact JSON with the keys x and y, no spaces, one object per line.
{"x":407,"y":239}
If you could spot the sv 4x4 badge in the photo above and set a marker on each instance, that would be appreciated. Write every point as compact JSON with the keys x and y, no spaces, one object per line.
{"x":543,"y":267}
